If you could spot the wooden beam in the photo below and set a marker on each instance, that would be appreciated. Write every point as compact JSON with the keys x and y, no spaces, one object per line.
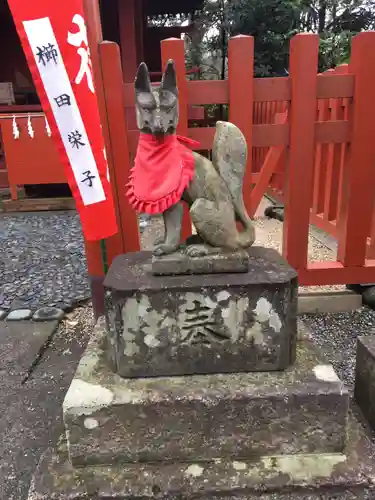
{"x":241,"y":98}
{"x":334,"y":273}
{"x":128,"y":38}
{"x":357,"y":200}
{"x":119,"y":166}
{"x":299,"y":180}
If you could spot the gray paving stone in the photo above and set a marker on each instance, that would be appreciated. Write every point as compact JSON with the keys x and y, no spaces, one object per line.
{"x":19,"y":315}
{"x":21,"y":344}
{"x":31,"y":412}
{"x":48,"y":314}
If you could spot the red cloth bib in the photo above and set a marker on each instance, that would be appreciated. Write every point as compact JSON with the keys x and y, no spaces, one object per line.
{"x":163,"y":168}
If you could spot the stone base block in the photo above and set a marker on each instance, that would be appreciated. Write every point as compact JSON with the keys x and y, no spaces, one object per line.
{"x":205,"y":417}
{"x":181,"y":263}
{"x":210,"y":323}
{"x":364,"y":391}
{"x":338,"y":476}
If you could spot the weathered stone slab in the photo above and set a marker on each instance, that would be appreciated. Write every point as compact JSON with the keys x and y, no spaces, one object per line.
{"x":30,"y":339}
{"x":364,"y":391}
{"x":328,"y":302}
{"x":181,"y":263}
{"x":212,"y":323}
{"x":109,"y":418}
{"x":338,"y":476}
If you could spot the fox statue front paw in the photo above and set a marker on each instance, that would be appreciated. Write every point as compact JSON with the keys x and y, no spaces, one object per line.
{"x":197,"y":250}
{"x":164,"y":249}
{"x":159,"y":241}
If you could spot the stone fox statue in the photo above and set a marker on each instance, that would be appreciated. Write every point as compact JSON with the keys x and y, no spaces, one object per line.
{"x":166,"y":172}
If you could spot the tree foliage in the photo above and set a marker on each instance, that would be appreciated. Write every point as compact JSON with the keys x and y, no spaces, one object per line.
{"x":273,"y":23}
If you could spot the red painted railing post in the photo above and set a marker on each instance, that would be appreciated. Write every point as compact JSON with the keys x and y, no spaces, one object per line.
{"x":299,"y":179}
{"x":118,"y":155}
{"x":241,"y":92}
{"x":333,"y":167}
{"x":174,"y":48}
{"x":256,"y":159}
{"x":359,"y":173}
{"x":327,"y":187}
{"x":128,"y":36}
{"x":343,"y":69}
{"x":321,"y":155}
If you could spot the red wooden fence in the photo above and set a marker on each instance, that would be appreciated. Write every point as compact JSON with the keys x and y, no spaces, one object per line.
{"x":311,"y":138}
{"x":342,"y":200}
{"x":302,"y":131}
{"x":330,"y":161}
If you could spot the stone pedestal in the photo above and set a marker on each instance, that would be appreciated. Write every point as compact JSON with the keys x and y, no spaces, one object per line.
{"x":195,"y":387}
{"x":251,"y":436}
{"x":213,"y":323}
{"x":111,"y":419}
{"x":365,"y":377}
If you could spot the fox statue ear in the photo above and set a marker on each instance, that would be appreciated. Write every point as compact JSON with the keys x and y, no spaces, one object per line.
{"x":169,"y":80}
{"x":142,"y":80}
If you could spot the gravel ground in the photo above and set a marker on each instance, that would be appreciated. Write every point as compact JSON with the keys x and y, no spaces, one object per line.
{"x":42,"y":259}
{"x":270,"y":235}
{"x":337,"y":335}
{"x":317,"y":250}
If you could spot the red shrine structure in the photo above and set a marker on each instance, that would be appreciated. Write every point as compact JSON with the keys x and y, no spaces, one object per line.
{"x":138,"y":26}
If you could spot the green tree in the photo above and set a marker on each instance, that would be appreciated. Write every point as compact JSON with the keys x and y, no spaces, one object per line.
{"x":273,"y":23}
{"x":336,"y":21}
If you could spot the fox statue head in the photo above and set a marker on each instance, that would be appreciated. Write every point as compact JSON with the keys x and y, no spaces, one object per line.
{"x":157,"y":107}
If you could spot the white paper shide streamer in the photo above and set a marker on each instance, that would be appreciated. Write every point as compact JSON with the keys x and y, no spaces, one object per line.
{"x":30,"y":129}
{"x":48,"y":130}
{"x":16,"y":132}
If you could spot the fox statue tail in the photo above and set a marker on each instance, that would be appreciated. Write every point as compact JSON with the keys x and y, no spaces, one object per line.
{"x":229,"y":155}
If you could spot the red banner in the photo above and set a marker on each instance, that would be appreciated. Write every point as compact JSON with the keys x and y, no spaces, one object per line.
{"x":54,"y":39}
